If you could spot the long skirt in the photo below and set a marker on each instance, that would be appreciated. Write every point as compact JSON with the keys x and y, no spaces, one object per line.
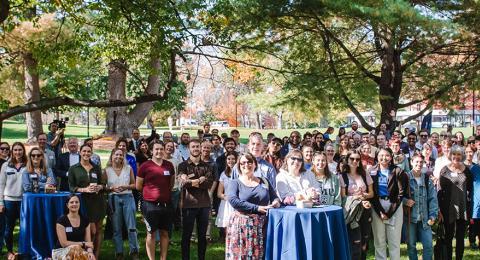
{"x":245,"y":236}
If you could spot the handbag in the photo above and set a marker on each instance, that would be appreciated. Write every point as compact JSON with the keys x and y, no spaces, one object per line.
{"x":440,"y":249}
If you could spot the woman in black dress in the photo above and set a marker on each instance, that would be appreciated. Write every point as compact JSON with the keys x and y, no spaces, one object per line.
{"x":74,"y":229}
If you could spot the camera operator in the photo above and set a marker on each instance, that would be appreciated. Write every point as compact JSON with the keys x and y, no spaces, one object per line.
{"x":55,"y":138}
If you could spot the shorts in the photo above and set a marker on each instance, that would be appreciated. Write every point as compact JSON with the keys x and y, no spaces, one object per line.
{"x":157,"y":215}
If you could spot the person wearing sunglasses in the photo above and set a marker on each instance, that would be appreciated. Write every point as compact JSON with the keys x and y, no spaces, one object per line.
{"x":251,"y":197}
{"x":423,"y":139}
{"x":37,"y":177}
{"x":4,"y":152}
{"x":356,"y":184}
{"x":390,"y":184}
{"x":11,"y":193}
{"x":294,"y":181}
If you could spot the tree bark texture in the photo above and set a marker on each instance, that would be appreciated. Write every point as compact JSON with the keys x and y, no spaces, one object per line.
{"x":119,"y":121}
{"x":32,"y":94}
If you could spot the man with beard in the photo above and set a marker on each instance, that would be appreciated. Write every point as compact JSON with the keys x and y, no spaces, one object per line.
{"x":229,"y":145}
{"x":273,"y":154}
{"x":264,"y":168}
{"x":206,"y":148}
{"x":196,"y":179}
{"x":182,"y":149}
{"x":294,"y":142}
{"x":411,"y":148}
{"x":354,"y":129}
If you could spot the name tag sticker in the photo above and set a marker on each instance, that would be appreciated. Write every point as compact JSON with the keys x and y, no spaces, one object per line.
{"x":51,"y":157}
{"x":373,"y":173}
{"x":454,"y":174}
{"x":94,"y":175}
{"x":66,"y":174}
{"x":34,"y":176}
{"x":68,"y":229}
{"x":191,"y":175}
{"x":166,"y":173}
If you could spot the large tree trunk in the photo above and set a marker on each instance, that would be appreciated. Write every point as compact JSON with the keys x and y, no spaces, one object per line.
{"x":4,"y":10}
{"x":117,"y":78}
{"x":31,"y":94}
{"x":119,"y":122}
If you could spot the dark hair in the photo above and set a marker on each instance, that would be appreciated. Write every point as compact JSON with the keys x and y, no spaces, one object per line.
{"x":122,"y":139}
{"x":5,"y":143}
{"x":229,"y":170}
{"x":13,"y":160}
{"x":72,"y":195}
{"x":234,"y":131}
{"x":388,"y":150}
{"x":154,"y":142}
{"x":86,"y":145}
{"x":346,"y":166}
{"x":228,"y":139}
{"x":39,"y":134}
{"x":250,"y":158}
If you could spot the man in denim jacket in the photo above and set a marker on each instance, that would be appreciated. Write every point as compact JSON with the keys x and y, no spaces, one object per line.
{"x":423,"y":207}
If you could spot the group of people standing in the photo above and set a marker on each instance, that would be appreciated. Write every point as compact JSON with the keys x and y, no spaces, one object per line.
{"x":392,"y":187}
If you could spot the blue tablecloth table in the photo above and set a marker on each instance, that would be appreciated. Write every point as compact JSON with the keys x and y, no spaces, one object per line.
{"x":316,"y":233}
{"x":38,"y":217}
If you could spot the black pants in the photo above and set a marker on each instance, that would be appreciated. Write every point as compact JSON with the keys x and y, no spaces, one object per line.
{"x":360,"y":235}
{"x":457,"y":228}
{"x":474,"y":231}
{"x":189,"y":216}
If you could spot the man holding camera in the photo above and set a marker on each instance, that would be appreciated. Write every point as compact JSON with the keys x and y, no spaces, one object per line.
{"x":55,"y":138}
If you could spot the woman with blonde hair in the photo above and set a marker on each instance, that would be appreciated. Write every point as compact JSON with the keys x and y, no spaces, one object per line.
{"x":36,"y":177}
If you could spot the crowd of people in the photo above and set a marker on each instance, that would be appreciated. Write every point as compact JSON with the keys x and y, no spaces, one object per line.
{"x":394,"y":187}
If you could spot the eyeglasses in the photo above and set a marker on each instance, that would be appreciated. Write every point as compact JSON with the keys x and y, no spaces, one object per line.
{"x":36,"y":155}
{"x":443,"y":135}
{"x":298,"y":159}
{"x":4,"y":149}
{"x":294,"y":136}
{"x":245,"y":163}
{"x":354,"y":159}
{"x":423,"y":135}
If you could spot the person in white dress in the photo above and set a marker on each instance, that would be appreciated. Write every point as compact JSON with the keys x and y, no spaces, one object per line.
{"x":225,"y":209}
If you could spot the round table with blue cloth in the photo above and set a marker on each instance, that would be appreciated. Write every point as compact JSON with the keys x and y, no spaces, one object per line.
{"x":38,"y":217}
{"x":315,"y":233}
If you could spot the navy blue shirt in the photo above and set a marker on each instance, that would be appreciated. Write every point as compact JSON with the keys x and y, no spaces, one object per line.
{"x":247,"y":199}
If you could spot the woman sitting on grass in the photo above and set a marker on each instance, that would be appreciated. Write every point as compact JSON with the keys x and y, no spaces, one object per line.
{"x":73,"y":230}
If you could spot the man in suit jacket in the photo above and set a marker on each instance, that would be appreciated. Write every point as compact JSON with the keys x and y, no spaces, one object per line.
{"x":64,"y":161}
{"x":134,"y":143}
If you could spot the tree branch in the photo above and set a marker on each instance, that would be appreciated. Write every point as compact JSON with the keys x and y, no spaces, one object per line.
{"x":350,"y":55}
{"x":47,"y":103}
{"x":331,"y":63}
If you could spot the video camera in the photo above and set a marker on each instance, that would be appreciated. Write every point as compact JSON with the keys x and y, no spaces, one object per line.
{"x":61,"y":123}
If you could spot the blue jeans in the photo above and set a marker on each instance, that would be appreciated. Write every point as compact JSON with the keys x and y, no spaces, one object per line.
{"x":417,"y":233}
{"x":124,"y":212}
{"x":2,"y":230}
{"x":12,"y":214}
